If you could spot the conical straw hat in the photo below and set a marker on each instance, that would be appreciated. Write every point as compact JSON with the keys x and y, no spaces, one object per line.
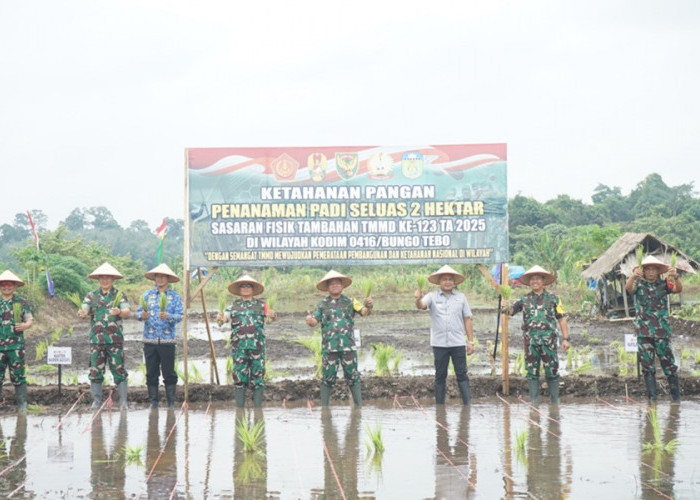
{"x":235,"y":287}
{"x":547,"y":277}
{"x":162,"y":269}
{"x":323,"y":284}
{"x":8,"y":275}
{"x":105,"y":269}
{"x":650,"y":260}
{"x":435,"y":277}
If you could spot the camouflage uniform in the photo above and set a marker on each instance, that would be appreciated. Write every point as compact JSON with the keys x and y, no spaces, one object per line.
{"x":247,"y":342}
{"x":106,"y":338}
{"x":336,"y":317}
{"x":653,"y":330}
{"x":540,"y":315}
{"x":11,"y":342}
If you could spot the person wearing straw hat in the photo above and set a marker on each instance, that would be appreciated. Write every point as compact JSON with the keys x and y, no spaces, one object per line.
{"x":650,"y":292}
{"x":159,"y":332}
{"x":16,"y":319}
{"x":107,"y":308}
{"x":542,"y":313}
{"x":336,"y":315}
{"x":247,"y":316}
{"x":451,"y":330}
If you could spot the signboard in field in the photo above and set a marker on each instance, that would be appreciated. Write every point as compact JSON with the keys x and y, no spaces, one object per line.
{"x":326,"y":206}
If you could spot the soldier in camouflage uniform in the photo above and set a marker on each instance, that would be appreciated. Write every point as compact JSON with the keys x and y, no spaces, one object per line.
{"x":16,"y":318}
{"x":336,"y":315}
{"x":542,"y":311}
{"x":247,"y":316}
{"x":650,"y":294}
{"x":107,"y":307}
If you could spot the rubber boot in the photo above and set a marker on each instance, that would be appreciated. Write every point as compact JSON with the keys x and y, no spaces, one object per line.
{"x":21,"y":396}
{"x":356,"y":391}
{"x":153,"y":396}
{"x":121,"y":390}
{"x":257,"y":397}
{"x":674,"y":387}
{"x":96,"y":391}
{"x":650,"y":382}
{"x":239,"y":393}
{"x":325,"y":395}
{"x":440,"y":390}
{"x":170,"y":395}
{"x":533,"y":385}
{"x":553,"y":384}
{"x":464,"y":392}
{"x":0,"y":392}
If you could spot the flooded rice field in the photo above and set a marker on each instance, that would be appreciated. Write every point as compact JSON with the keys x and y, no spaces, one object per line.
{"x":497,"y":448}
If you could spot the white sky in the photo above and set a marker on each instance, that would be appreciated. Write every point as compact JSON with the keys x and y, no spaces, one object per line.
{"x":99,"y":99}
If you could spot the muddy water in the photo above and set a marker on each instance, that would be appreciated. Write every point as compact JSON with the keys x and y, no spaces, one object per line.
{"x":579,"y":450}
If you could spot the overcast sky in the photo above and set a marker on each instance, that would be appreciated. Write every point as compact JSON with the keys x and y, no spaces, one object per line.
{"x":101,"y":98}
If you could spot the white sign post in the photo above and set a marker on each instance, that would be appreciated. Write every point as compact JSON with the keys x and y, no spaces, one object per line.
{"x":59,"y":356}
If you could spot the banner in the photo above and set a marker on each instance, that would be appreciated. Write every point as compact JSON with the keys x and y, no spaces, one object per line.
{"x":350,"y":205}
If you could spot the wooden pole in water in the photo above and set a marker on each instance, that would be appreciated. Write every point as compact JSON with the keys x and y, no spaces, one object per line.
{"x":212,"y":354}
{"x":186,"y":297}
{"x":504,"y":338}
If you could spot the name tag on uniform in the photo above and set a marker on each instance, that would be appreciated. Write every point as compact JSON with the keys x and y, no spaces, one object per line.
{"x":356,"y":334}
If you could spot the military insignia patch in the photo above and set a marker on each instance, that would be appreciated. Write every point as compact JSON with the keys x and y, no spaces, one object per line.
{"x":412,"y":165}
{"x":347,"y":164}
{"x":317,"y":166}
{"x":380,"y":166}
{"x":285,"y":167}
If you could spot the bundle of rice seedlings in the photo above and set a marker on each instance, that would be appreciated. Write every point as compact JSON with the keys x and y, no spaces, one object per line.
{"x":132,"y":454}
{"x":17,"y":312}
{"x":367,"y":285}
{"x":506,"y":291}
{"x":422,"y":282}
{"x":251,"y":436}
{"x":658,"y":443}
{"x":674,"y":257}
{"x":117,"y":300}
{"x":383,"y":353}
{"x":374,"y":443}
{"x":75,"y":299}
{"x":163,"y":302}
{"x":640,"y":255}
{"x":144,"y":304}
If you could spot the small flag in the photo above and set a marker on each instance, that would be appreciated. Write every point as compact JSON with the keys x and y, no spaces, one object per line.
{"x":49,"y":283}
{"x":160,"y":232}
{"x":31,"y":223}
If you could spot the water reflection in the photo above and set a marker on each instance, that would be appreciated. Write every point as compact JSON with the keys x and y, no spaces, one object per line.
{"x":12,"y":459}
{"x":161,"y":463}
{"x":250,"y":466}
{"x":455,"y":467}
{"x":656,"y":467}
{"x":544,"y":454}
{"x":107,"y":472}
{"x":340,"y":459}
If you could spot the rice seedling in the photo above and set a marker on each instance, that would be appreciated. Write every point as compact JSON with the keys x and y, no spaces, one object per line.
{"x":640,"y":255}
{"x":36,"y":409}
{"x":374,"y":442}
{"x":163,"y":303}
{"x":519,"y":364}
{"x":521,"y":446}
{"x":685,"y":354}
{"x":17,"y":312}
{"x":229,"y":364}
{"x":4,"y":446}
{"x":658,"y":444}
{"x":75,"y":299}
{"x":132,"y":455}
{"x":697,"y":357}
{"x":251,"y":436}
{"x":142,"y":369}
{"x":272,"y":301}
{"x":383,"y":353}
{"x":72,"y":380}
{"x":69,"y":332}
{"x":44,"y":368}
{"x":313,"y":344}
{"x":674,"y":257}
{"x":56,"y":335}
{"x":222,"y":306}
{"x":144,"y":304}
{"x":250,"y":468}
{"x":41,"y":347}
{"x":506,"y":291}
{"x":195,"y":374}
{"x":367,"y":285}
{"x":117,"y":300}
{"x":422,"y":282}
{"x":395,"y":362}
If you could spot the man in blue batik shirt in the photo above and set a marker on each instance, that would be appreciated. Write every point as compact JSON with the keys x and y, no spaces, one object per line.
{"x":160,"y":309}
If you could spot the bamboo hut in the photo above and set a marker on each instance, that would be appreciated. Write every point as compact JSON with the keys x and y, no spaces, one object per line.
{"x":609,"y":272}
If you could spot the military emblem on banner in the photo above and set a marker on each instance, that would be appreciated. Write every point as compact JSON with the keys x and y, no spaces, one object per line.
{"x":380,"y":166}
{"x":317,"y":163}
{"x":285,"y":167}
{"x":412,"y":164}
{"x":347,"y":164}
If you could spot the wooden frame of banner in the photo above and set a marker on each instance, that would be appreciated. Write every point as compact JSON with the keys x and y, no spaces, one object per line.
{"x":199,"y":290}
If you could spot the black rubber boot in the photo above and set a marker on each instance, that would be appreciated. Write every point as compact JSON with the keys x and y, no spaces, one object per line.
{"x":170,"y":395}
{"x":464,"y":392}
{"x":356,"y":391}
{"x":440,"y":390}
{"x":257,"y":397}
{"x":325,"y":395}
{"x":553,"y":384}
{"x":533,"y":385}
{"x":674,"y":387}
{"x":239,"y":393}
{"x":153,"y":396}
{"x":650,"y":382}
{"x":96,"y":391}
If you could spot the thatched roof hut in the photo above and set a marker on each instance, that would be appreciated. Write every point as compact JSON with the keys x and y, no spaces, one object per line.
{"x":613,"y":267}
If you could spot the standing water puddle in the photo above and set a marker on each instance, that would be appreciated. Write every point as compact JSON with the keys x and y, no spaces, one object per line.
{"x":579,"y":450}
